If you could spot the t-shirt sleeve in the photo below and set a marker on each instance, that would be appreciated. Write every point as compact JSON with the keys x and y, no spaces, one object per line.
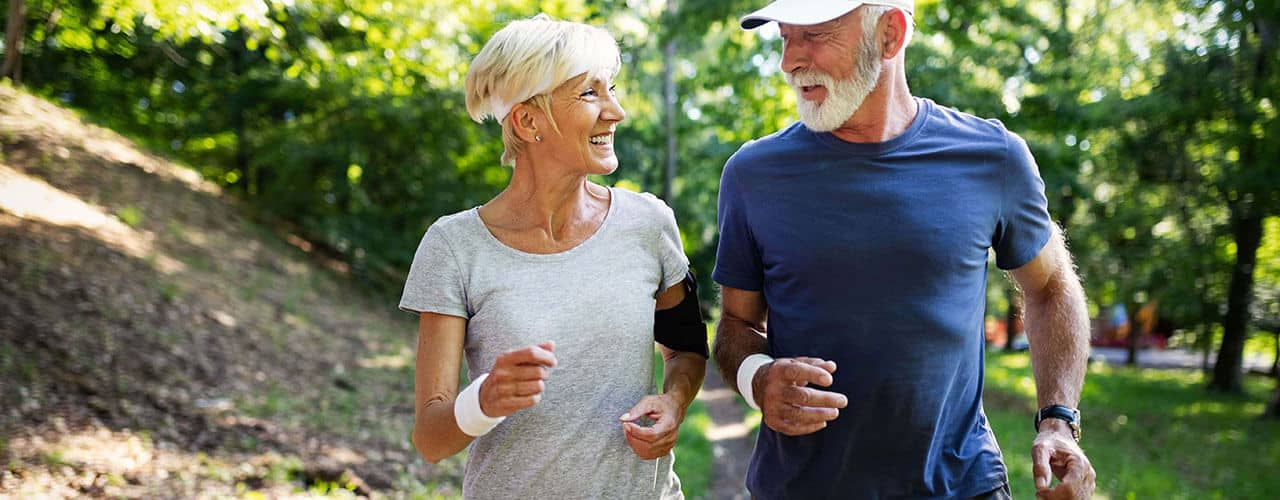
{"x":1024,"y":225}
{"x":738,"y":263}
{"x":671,"y":250}
{"x":435,"y":279}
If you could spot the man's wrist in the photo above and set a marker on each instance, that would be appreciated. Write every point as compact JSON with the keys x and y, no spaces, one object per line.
{"x":1063,"y":419}
{"x":746,"y":376}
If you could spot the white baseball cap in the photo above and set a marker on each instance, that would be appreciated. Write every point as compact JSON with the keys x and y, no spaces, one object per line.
{"x":807,"y":12}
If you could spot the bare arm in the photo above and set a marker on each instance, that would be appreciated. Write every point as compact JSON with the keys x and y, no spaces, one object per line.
{"x":682,"y":377}
{"x":682,"y":371}
{"x":1058,"y":332}
{"x":435,"y":432}
{"x":515,"y":382}
{"x":741,"y":332}
{"x":782,"y":387}
{"x":1057,"y":323}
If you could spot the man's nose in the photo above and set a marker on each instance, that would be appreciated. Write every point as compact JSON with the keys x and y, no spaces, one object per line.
{"x":794,"y":56}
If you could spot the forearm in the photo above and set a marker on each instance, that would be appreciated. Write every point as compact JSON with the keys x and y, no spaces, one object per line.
{"x":436,"y":434}
{"x":735,"y":340}
{"x":1057,"y":325}
{"x":682,"y":375}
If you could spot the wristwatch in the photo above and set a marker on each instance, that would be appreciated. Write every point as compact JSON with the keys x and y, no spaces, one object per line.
{"x":1064,"y":413}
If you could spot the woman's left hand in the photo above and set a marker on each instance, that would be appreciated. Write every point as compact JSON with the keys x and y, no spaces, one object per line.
{"x":658,"y":439}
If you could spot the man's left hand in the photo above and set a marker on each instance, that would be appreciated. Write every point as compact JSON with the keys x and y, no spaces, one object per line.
{"x":658,"y":439}
{"x":1055,"y":454}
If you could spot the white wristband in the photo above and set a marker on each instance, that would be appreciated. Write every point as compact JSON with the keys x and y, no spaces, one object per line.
{"x":747,"y":372}
{"x":466,"y":410}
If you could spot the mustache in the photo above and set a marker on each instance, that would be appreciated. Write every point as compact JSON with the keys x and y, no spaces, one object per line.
{"x":808,"y":77}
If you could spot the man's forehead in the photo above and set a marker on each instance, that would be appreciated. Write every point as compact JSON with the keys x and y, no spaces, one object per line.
{"x":829,"y":25}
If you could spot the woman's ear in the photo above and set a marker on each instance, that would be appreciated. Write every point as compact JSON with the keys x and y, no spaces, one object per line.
{"x":525,"y":123}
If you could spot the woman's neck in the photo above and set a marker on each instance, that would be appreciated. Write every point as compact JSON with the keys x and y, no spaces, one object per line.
{"x":552,"y":208}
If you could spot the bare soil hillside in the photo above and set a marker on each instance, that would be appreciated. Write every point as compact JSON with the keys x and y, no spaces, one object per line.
{"x":157,"y":343}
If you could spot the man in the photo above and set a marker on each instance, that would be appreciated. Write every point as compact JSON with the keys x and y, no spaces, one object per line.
{"x":859,"y":240}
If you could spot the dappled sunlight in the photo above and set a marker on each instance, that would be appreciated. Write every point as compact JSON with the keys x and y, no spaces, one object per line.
{"x":1211,"y":410}
{"x":394,"y":361}
{"x":36,"y":119}
{"x":101,"y":462}
{"x":34,"y":199}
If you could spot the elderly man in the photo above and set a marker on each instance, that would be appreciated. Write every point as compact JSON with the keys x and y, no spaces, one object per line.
{"x":859,"y":240}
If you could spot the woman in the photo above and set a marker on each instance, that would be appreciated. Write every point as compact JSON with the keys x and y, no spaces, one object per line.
{"x":550,"y":289}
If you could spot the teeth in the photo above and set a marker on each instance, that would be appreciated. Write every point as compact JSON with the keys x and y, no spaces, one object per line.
{"x":600,"y":139}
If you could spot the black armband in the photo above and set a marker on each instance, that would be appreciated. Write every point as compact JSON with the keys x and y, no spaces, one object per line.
{"x":680,"y":328}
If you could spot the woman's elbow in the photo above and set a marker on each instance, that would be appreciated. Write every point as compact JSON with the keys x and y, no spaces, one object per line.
{"x":432,"y":455}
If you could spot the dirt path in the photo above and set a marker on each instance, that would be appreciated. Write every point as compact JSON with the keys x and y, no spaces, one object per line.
{"x":730,"y":437}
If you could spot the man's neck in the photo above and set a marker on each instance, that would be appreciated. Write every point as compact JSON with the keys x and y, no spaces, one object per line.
{"x":886,"y":113}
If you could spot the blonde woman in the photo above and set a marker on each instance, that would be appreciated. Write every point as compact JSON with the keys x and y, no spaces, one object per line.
{"x":555,"y":291}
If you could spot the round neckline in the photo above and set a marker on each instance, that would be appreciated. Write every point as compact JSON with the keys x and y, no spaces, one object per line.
{"x":508,"y":249}
{"x":923,"y":109}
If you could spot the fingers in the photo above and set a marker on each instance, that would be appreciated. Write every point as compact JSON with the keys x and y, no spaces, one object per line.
{"x":517,"y":380}
{"x":829,"y":366}
{"x":1040,"y":454}
{"x":650,"y":442}
{"x":659,"y":438}
{"x":798,"y":372}
{"x":791,"y":408}
{"x":1056,"y":457}
{"x":540,"y":354}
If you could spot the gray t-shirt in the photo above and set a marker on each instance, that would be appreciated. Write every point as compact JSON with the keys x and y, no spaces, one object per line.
{"x":596,"y":301}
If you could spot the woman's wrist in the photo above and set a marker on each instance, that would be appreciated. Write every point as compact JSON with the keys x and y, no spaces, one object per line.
{"x":467,"y":412}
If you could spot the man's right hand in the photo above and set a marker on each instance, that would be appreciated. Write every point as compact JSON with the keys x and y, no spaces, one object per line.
{"x":516,"y":380}
{"x":788,"y":405}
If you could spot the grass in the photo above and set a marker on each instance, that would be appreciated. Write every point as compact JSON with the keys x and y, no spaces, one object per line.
{"x":1149,"y":433}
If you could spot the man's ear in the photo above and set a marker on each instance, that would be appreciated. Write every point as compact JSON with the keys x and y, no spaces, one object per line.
{"x":893,"y":28}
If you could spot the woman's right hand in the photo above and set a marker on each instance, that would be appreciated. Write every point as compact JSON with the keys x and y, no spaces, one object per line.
{"x":516,"y":380}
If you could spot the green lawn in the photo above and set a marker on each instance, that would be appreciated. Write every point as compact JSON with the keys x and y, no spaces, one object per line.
{"x":1149,"y":433}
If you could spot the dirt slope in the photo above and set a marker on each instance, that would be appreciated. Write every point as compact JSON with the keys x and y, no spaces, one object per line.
{"x":156,"y":343}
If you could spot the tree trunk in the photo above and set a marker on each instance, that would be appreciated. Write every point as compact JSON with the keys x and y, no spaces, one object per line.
{"x":15,"y":33}
{"x":1247,"y":226}
{"x":1013,"y":316}
{"x":1132,"y":347}
{"x":1273,"y":409}
{"x":669,"y":102}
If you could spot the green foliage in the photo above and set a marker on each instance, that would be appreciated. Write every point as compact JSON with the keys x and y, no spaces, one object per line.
{"x":1154,"y":123}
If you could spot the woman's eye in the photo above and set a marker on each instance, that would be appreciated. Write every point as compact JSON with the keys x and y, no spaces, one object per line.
{"x":589,"y":92}
{"x":613,"y":89}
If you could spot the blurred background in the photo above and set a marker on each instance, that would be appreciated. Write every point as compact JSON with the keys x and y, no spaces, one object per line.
{"x":207,"y":210}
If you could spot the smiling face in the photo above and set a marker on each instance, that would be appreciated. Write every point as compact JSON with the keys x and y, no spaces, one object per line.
{"x":832,"y":67}
{"x":587,"y":112}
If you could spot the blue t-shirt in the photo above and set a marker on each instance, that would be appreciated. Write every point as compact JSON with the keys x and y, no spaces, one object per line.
{"x":874,"y":256}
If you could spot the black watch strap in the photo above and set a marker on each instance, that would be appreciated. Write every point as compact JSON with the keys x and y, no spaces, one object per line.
{"x":1065,"y":413}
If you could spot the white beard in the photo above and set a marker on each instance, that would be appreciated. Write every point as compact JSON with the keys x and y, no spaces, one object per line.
{"x":844,"y":96}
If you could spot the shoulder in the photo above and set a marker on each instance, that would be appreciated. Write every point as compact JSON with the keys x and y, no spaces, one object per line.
{"x":450,"y":227}
{"x":960,"y":122}
{"x":640,"y":205}
{"x":770,"y":148}
{"x":973,"y":130}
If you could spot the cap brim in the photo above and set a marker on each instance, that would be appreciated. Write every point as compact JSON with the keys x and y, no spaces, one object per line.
{"x":800,"y":12}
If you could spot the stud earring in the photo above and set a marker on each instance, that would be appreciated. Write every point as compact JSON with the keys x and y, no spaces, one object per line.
{"x":537,"y":138}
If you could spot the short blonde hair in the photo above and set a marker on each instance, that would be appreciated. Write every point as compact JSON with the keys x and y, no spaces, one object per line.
{"x":525,"y":61}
